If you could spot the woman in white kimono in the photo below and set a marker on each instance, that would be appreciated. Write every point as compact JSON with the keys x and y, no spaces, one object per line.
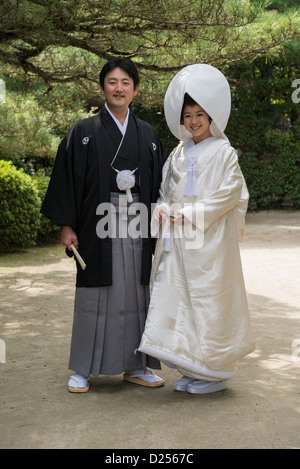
{"x":198,"y":320}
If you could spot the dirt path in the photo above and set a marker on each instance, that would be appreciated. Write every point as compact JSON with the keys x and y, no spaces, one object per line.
{"x":260,"y":408}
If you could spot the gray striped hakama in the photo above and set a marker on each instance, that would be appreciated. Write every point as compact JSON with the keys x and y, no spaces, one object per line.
{"x":109,"y":321}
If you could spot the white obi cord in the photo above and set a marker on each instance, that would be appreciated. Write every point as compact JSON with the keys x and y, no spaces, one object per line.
{"x":125,"y":178}
{"x":126,"y":181}
{"x":192,"y":173}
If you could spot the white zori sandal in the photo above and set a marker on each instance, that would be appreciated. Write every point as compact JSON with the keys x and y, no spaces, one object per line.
{"x":148,"y":379}
{"x":78,"y":383}
{"x":205,"y":387}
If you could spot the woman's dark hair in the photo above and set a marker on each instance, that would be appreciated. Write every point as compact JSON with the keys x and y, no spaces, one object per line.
{"x":188,"y":101}
{"x":126,"y":64}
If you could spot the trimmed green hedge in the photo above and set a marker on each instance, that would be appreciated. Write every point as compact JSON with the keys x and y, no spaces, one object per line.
{"x":273,"y":183}
{"x":265,"y":126}
{"x":21,"y":223}
{"x":19,"y":207}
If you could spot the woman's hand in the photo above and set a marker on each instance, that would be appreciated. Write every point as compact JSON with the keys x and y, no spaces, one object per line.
{"x":179,"y":219}
{"x":160,"y":213}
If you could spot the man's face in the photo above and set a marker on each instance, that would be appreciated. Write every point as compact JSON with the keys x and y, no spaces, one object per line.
{"x":118,"y":90}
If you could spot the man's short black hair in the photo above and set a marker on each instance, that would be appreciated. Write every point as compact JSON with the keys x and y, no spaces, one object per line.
{"x":126,"y":64}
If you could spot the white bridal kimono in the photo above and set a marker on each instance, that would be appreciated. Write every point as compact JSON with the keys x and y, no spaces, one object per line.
{"x":198,"y":319}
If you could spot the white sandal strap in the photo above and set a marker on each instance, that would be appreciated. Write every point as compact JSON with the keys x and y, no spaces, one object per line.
{"x":78,"y":380}
{"x":139,"y":374}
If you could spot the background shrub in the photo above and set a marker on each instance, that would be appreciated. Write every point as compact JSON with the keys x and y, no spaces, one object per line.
{"x":265,"y":126}
{"x":19,"y":207}
{"x":47,"y":230}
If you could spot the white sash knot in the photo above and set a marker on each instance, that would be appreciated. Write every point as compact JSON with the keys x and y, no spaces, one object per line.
{"x":192,"y":174}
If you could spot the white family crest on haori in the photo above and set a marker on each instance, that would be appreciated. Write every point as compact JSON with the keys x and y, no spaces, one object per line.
{"x":85,"y":140}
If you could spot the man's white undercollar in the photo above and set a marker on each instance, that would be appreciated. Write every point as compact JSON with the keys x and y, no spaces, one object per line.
{"x":121,"y":127}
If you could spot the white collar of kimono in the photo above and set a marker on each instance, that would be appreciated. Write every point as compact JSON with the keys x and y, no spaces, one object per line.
{"x":188,"y":153}
{"x":209,"y":88}
{"x":188,"y":161}
{"x":191,"y":145}
{"x":125,"y":179}
{"x":121,"y":127}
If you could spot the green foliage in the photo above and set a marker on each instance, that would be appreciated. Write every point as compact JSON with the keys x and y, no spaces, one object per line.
{"x":283,"y":5}
{"x":64,"y":42}
{"x":19,"y":207}
{"x":21,"y":223}
{"x":264,"y":125}
{"x":47,"y":230}
{"x":275,"y":184}
{"x":51,"y":62}
{"x":32,"y":123}
{"x":155,"y":116}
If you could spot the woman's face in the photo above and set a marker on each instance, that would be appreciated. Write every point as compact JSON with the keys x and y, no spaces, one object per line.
{"x":197,"y":122}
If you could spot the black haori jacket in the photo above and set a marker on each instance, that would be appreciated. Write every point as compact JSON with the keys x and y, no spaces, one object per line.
{"x":80,"y":181}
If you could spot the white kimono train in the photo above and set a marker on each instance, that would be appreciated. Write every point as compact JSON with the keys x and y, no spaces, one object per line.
{"x":198,"y":320}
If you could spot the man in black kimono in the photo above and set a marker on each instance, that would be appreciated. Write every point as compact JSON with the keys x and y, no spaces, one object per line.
{"x":112,"y":292}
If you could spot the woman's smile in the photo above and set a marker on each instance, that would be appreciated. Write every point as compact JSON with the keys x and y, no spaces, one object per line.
{"x":197,"y":122}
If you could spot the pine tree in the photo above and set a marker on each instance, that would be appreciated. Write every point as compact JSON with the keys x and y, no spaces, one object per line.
{"x":63,"y":41}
